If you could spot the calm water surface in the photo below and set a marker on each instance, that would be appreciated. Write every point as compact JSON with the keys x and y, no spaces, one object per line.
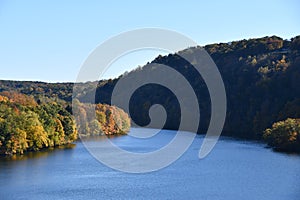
{"x":233,"y":170}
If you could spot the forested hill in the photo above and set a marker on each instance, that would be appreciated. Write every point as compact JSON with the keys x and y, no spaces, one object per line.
{"x":58,"y":90}
{"x":261,"y":77}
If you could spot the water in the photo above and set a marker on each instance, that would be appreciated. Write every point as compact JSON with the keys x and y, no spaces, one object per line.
{"x":233,"y":170}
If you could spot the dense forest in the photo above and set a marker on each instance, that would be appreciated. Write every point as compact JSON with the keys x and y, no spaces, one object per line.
{"x":29,"y":124}
{"x":95,"y":119}
{"x":261,"y":78}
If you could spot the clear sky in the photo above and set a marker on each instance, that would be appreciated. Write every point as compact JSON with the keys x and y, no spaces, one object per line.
{"x":49,"y":40}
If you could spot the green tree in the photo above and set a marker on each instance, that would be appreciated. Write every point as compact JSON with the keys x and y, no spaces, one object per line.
{"x":36,"y":135}
{"x":284,"y":135}
{"x":95,"y":127}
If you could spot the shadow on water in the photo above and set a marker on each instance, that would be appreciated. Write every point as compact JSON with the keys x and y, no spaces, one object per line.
{"x":99,"y":137}
{"x":50,"y":151}
{"x":38,"y":154}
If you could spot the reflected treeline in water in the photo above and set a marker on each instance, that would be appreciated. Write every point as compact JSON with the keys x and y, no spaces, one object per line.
{"x":49,"y":151}
{"x":38,"y":154}
{"x":99,"y":137}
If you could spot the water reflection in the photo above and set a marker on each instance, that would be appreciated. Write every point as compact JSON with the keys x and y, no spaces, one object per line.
{"x":235,"y":169}
{"x":38,"y":154}
{"x":52,"y":150}
{"x":99,"y":137}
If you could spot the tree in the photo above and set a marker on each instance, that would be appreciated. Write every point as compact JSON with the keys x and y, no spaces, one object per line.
{"x":284,"y":135}
{"x":36,"y":135}
{"x":95,"y":127}
{"x":26,"y":125}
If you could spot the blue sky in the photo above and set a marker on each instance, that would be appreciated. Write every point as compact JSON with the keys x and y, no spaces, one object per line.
{"x":49,"y":40}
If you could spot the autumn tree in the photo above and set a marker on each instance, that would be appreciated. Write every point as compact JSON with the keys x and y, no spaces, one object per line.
{"x":284,"y":135}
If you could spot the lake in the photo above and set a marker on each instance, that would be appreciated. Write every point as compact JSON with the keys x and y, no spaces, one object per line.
{"x":235,"y":169}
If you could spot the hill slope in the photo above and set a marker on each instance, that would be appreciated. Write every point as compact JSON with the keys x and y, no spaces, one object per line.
{"x":261,"y":77}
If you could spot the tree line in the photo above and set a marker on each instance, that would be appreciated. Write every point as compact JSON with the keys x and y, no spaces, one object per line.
{"x":261,"y":78}
{"x":29,"y":124}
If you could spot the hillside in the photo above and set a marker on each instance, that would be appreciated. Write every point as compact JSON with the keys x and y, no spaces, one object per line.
{"x":261,"y":78}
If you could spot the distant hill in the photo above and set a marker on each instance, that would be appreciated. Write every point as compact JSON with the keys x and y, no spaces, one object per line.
{"x":261,"y":77}
{"x":52,"y":90}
